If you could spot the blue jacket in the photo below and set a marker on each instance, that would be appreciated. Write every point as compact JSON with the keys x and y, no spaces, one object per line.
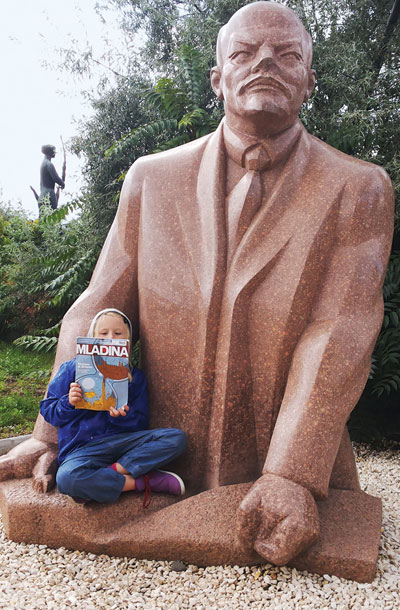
{"x":76,"y":427}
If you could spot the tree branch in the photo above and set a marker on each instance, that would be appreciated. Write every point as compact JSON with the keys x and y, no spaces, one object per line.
{"x":99,"y":63}
{"x":391,"y":24}
{"x":198,"y":8}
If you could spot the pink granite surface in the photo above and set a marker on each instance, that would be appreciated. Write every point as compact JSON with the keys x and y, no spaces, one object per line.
{"x":347,"y":547}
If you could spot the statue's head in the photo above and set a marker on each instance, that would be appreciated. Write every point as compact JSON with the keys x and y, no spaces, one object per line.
{"x":263,"y":73}
{"x":49,"y":150}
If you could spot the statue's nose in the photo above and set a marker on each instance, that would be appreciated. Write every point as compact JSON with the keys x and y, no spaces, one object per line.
{"x":264,"y":59}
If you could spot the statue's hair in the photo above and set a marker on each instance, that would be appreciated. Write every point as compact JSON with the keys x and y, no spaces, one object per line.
{"x":224,"y":32}
{"x":47,"y":149}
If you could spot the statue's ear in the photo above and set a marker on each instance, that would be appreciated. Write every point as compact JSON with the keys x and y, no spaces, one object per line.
{"x":311,"y":84}
{"x":215,"y":77}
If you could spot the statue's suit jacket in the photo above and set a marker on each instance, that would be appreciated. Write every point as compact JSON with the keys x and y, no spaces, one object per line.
{"x":260,"y":363}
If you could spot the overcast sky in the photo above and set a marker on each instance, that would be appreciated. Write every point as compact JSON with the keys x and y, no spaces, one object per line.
{"x":37,"y":105}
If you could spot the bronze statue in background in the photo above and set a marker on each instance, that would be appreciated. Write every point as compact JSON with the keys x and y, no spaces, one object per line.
{"x":252,"y":262}
{"x":49,"y":178}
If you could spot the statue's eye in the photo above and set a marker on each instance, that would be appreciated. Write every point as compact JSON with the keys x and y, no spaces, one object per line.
{"x":291,"y":56}
{"x":239,"y":56}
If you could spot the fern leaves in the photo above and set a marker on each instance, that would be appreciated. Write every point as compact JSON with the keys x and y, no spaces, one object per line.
{"x":183,"y":116}
{"x":55,"y":216}
{"x":37,"y":343}
{"x":76,"y":275}
{"x":193,"y":71}
{"x":152,"y":131}
{"x":45,"y":341}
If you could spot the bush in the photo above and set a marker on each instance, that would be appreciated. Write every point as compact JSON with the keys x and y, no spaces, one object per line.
{"x":23,"y":380}
{"x":44,"y":264}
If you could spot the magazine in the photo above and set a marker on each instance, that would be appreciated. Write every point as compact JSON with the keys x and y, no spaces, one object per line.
{"x":102,"y":367}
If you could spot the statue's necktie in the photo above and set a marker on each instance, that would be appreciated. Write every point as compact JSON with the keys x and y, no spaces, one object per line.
{"x":246,"y":197}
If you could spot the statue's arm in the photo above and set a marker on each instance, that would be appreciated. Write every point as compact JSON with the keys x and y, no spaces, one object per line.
{"x":54,"y":175}
{"x":332,"y":360}
{"x":329,"y":369}
{"x":113,"y":284}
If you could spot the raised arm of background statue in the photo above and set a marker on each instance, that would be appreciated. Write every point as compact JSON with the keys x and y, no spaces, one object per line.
{"x":113,"y":284}
{"x":329,"y":369}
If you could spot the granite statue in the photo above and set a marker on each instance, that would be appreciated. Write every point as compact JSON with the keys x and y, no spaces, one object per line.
{"x":252,"y":261}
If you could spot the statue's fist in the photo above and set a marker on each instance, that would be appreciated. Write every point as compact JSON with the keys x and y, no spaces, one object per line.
{"x":279,"y":518}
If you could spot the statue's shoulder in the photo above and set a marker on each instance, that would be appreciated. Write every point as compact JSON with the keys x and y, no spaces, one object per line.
{"x":170,"y":160}
{"x":344,"y":166}
{"x":366,"y":187}
{"x":173,"y":165}
{"x":46,"y":162}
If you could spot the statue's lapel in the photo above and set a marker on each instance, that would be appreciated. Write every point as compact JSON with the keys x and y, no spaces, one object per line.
{"x":210,"y":198}
{"x":201,"y":211}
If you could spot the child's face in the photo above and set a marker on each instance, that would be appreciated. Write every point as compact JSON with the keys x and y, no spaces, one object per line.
{"x":111,"y":327}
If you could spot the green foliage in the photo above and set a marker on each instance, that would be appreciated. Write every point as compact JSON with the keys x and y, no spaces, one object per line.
{"x":45,"y":264}
{"x":45,"y":342}
{"x":19,"y":243}
{"x":193,"y":73}
{"x":23,"y":380}
{"x":135,"y":355}
{"x":115,"y":114}
{"x":55,"y":216}
{"x":37,"y":342}
{"x":385,"y":369}
{"x":158,"y":130}
{"x":183,"y":118}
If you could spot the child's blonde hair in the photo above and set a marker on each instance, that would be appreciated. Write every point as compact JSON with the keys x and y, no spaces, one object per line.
{"x":117,"y":314}
{"x":110,"y":311}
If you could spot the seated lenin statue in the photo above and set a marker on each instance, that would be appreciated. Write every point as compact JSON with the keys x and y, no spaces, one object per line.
{"x":251,"y":262}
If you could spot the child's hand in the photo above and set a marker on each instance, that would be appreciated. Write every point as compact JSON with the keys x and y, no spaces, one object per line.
{"x":118,"y":412}
{"x":75,"y":393}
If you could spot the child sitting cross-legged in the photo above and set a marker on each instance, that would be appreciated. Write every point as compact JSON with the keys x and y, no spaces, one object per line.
{"x":104,"y":453}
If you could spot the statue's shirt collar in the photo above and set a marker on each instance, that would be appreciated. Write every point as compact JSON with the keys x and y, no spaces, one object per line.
{"x":260,"y":153}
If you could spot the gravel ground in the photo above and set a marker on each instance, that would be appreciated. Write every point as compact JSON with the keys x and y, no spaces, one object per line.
{"x":34,"y":577}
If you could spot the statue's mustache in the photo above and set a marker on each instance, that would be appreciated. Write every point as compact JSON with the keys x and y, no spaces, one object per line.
{"x":269,"y":81}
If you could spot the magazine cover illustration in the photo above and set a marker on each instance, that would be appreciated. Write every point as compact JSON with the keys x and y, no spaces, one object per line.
{"x":102,"y":367}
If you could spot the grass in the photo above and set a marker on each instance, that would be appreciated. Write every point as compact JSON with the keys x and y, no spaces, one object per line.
{"x":23,"y":380}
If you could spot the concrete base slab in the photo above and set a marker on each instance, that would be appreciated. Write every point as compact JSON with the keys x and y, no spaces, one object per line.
{"x":199,"y":529}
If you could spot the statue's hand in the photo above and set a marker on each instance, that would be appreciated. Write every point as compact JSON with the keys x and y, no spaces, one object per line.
{"x":32,"y":458}
{"x":279,"y":518}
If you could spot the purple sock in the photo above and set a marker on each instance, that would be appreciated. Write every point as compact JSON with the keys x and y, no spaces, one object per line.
{"x":140,"y":485}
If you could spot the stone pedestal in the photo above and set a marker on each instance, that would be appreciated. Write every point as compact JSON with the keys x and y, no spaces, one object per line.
{"x":199,"y":529}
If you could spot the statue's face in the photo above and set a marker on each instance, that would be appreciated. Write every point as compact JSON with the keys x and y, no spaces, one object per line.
{"x":264,"y":76}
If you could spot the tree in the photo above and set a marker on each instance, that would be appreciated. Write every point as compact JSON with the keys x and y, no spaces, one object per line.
{"x":183,"y":111}
{"x":44,"y":266}
{"x":355,"y":107}
{"x":116,"y":112}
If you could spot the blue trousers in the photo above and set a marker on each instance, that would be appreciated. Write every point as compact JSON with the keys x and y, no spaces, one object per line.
{"x":84,"y":471}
